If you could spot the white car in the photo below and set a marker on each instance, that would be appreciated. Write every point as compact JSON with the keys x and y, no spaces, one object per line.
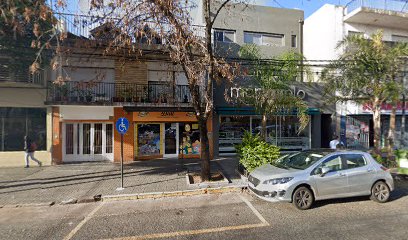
{"x":306,"y":176}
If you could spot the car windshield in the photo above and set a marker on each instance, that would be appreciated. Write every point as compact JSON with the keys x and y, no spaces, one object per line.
{"x":300,"y":160}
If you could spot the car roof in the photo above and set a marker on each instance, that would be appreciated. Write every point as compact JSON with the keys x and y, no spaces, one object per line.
{"x":329,"y":150}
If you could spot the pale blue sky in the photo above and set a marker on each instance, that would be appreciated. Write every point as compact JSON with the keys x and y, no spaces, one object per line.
{"x":308,"y":6}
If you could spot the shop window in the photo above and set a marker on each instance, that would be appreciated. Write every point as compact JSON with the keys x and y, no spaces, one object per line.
{"x":190,"y":138}
{"x":233,"y":127}
{"x":98,"y":138}
{"x":15,"y":123}
{"x":69,"y":139}
{"x":148,"y":139}
{"x":109,"y":138}
{"x":86,"y":133}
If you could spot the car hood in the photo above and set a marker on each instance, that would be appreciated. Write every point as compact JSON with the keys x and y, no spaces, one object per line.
{"x":268,"y":171}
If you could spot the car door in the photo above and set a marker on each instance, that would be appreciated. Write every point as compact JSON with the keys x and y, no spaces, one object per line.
{"x":334,"y":183}
{"x":359,"y":173}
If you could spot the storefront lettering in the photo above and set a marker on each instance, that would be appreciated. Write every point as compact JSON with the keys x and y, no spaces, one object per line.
{"x":238,"y":92}
{"x":167,"y":114}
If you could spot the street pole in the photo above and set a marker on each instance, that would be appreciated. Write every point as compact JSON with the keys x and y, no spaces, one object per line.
{"x":121,"y":161}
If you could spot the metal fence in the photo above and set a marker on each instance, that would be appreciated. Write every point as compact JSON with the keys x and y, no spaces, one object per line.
{"x":72,"y":92}
{"x":389,"y":5}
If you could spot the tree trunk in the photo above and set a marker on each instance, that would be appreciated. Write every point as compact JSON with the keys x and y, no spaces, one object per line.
{"x":391,"y":131}
{"x":264,"y":134}
{"x":205,"y":150}
{"x":377,"y":124}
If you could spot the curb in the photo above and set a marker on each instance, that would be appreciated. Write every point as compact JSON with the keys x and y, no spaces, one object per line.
{"x":44,"y":204}
{"x":156,"y":195}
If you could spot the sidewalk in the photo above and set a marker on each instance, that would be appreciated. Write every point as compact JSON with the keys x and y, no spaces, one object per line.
{"x":86,"y":180}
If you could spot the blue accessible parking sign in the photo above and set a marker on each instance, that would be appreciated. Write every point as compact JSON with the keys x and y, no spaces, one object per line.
{"x":122,"y":125}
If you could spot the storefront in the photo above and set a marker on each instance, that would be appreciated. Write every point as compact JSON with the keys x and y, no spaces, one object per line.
{"x":282,"y":131}
{"x":166,"y":135}
{"x":83,"y":133}
{"x":232,"y":119}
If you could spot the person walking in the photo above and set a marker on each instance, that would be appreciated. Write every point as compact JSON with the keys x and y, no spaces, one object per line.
{"x":29,"y":148}
{"x":334,"y":142}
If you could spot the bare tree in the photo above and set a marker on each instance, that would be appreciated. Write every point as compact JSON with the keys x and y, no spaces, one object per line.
{"x":126,"y":22}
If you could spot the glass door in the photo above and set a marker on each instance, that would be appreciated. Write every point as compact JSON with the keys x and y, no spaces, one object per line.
{"x":87,"y":142}
{"x":171,"y":140}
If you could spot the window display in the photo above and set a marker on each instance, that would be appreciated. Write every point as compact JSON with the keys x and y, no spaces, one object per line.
{"x":189,"y":138}
{"x":15,"y":123}
{"x":148,"y":139}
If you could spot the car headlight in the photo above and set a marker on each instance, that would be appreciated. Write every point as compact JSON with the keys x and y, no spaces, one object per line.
{"x":278,"y":180}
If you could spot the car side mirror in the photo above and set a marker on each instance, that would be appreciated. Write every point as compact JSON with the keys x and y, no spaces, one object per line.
{"x":325,"y":170}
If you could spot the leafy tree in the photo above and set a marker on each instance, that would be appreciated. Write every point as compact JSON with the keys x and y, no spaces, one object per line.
{"x":270,"y":93}
{"x":365,"y":73}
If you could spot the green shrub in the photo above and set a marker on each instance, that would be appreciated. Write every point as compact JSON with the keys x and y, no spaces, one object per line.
{"x":401,"y":153}
{"x":254,"y":152}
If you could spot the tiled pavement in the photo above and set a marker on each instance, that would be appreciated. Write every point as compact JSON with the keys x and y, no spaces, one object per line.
{"x":81,"y":181}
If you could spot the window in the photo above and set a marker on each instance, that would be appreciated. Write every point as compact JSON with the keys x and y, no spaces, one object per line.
{"x":15,"y":123}
{"x":148,"y":139}
{"x":109,"y":138}
{"x":224,"y":36}
{"x":265,"y":39}
{"x":354,"y":160}
{"x":354,"y":33}
{"x":293,"y":41}
{"x":334,"y":163}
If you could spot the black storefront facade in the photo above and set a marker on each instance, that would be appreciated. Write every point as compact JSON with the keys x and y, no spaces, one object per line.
{"x":231,"y":120}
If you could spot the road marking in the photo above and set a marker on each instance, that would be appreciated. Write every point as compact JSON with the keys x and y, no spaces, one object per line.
{"x":79,"y":226}
{"x":254,"y":210}
{"x":263,"y":223}
{"x":192,"y":232}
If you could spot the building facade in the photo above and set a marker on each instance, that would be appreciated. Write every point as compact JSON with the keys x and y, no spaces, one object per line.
{"x":22,"y":108}
{"x":326,"y":27}
{"x":275,"y":31}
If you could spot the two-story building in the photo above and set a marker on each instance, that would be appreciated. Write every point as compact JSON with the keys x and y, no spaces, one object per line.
{"x":22,"y":105}
{"x":98,"y":89}
{"x":326,"y":27}
{"x":276,"y":31}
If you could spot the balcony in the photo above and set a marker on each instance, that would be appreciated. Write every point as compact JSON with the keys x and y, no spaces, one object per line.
{"x":102,"y":30}
{"x":380,"y":13}
{"x":122,"y":94}
{"x":22,"y":79}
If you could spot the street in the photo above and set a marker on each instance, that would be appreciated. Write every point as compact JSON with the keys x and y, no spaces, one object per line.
{"x":218,"y":216}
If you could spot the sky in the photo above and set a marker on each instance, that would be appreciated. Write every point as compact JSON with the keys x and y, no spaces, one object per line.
{"x":308,"y":6}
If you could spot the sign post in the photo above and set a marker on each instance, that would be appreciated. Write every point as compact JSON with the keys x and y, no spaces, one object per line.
{"x":122,"y":126}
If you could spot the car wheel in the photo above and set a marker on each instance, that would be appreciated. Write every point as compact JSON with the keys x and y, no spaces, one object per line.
{"x":303,"y":198}
{"x":380,"y":192}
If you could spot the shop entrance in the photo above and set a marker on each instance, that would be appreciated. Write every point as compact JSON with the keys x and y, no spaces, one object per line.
{"x":87,"y":142}
{"x":171,"y":140}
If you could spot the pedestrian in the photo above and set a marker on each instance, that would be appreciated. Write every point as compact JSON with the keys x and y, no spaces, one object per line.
{"x":29,"y":148}
{"x":334,"y":142}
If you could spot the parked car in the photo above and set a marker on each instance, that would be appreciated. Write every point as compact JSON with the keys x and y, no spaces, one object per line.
{"x":306,"y":176}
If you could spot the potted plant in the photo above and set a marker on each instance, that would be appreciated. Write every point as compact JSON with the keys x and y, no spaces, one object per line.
{"x":88,"y":95}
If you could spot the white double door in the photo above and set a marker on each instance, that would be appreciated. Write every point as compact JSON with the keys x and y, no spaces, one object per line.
{"x":87,"y":142}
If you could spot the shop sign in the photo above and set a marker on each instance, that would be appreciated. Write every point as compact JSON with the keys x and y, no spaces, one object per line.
{"x":385,"y":107}
{"x":164,"y":117}
{"x":237,"y":92}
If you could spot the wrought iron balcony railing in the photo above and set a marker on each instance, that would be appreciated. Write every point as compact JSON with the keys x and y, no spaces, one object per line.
{"x":388,"y":5}
{"x":23,"y":77}
{"x":102,"y":93}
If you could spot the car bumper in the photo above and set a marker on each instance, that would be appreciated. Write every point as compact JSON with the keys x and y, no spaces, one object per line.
{"x":272,"y":195}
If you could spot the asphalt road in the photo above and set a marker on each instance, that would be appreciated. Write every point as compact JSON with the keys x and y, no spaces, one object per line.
{"x":226,"y":216}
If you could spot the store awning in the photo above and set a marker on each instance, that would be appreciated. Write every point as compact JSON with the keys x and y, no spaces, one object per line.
{"x":246,"y":111}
